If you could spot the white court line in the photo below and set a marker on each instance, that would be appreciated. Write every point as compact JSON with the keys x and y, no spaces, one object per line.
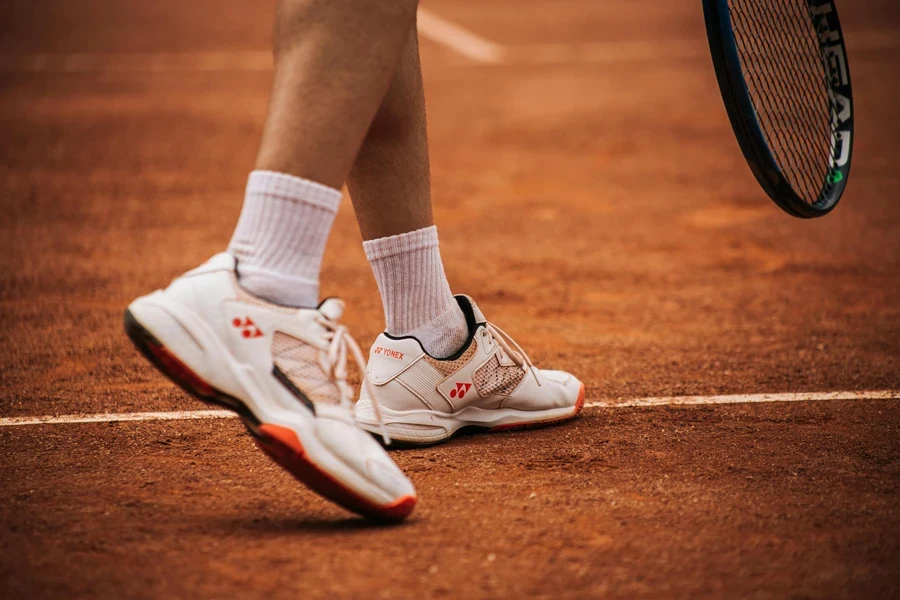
{"x":456,"y":38}
{"x":431,"y":26}
{"x":635,"y":402}
{"x":182,"y":415}
{"x":749,"y":399}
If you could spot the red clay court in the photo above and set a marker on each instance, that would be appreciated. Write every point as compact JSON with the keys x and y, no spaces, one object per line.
{"x":590,"y":195}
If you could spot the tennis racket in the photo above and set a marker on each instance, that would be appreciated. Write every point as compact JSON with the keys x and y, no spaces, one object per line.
{"x":783,"y":73}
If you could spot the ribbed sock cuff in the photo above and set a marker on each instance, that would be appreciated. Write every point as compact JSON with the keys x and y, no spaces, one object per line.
{"x":281,"y":235}
{"x":282,"y":186}
{"x":403,"y":243}
{"x":414,"y":290}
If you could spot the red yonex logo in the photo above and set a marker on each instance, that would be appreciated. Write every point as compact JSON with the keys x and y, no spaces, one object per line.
{"x":387,"y":352}
{"x":461,"y":390}
{"x":248,"y":328}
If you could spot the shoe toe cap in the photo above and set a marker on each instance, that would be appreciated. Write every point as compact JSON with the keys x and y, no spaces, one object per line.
{"x":359,"y":450}
{"x":558,"y":389}
{"x":565,"y":379}
{"x":389,"y":476}
{"x":560,"y":377}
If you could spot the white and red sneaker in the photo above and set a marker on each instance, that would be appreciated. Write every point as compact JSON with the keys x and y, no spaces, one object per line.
{"x":283,"y":370}
{"x":490,"y":384}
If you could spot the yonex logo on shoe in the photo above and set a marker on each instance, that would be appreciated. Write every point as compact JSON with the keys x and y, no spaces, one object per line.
{"x":248,"y":328}
{"x":461,"y":390}
{"x":387,"y":352}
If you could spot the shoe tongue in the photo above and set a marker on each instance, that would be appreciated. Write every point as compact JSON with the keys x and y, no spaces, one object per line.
{"x":476,"y":312}
{"x":332,"y":308}
{"x":223,"y":261}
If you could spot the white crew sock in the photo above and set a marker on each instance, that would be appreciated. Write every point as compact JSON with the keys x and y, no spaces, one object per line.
{"x":280,"y":237}
{"x":414,"y":290}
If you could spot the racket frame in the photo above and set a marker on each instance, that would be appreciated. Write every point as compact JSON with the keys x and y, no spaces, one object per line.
{"x":746,"y":126}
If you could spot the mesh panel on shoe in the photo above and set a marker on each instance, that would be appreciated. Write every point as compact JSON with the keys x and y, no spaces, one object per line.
{"x":449,"y":367}
{"x":492,"y":378}
{"x":298,"y":361}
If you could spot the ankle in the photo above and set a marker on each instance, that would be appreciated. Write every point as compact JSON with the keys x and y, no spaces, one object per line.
{"x":444,"y":335}
{"x":414,"y":291}
{"x":281,"y":235}
{"x":277,"y":288}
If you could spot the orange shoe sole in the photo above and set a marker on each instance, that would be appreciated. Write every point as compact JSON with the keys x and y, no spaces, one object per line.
{"x":284,"y":447}
{"x":281,"y":444}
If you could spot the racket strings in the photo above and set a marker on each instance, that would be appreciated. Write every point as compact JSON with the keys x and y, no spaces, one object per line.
{"x":792,"y":134}
{"x":784,"y":68}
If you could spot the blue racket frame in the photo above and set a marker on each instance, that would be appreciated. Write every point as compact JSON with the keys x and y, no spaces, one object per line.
{"x":742,"y":113}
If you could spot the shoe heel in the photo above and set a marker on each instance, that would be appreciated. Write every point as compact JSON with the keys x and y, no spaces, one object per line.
{"x":169,"y":365}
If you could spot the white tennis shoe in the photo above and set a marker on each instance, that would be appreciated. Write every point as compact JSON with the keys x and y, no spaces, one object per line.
{"x":283,"y":370}
{"x":490,"y":384}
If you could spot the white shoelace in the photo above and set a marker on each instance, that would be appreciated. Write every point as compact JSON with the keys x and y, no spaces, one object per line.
{"x":340,"y":341}
{"x":509,"y":347}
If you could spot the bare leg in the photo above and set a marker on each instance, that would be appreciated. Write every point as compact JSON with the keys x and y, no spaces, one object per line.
{"x":334,"y":60}
{"x":390,"y":187}
{"x":390,"y":183}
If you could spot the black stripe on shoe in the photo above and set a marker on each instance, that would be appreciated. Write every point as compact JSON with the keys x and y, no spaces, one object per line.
{"x":281,"y":377}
